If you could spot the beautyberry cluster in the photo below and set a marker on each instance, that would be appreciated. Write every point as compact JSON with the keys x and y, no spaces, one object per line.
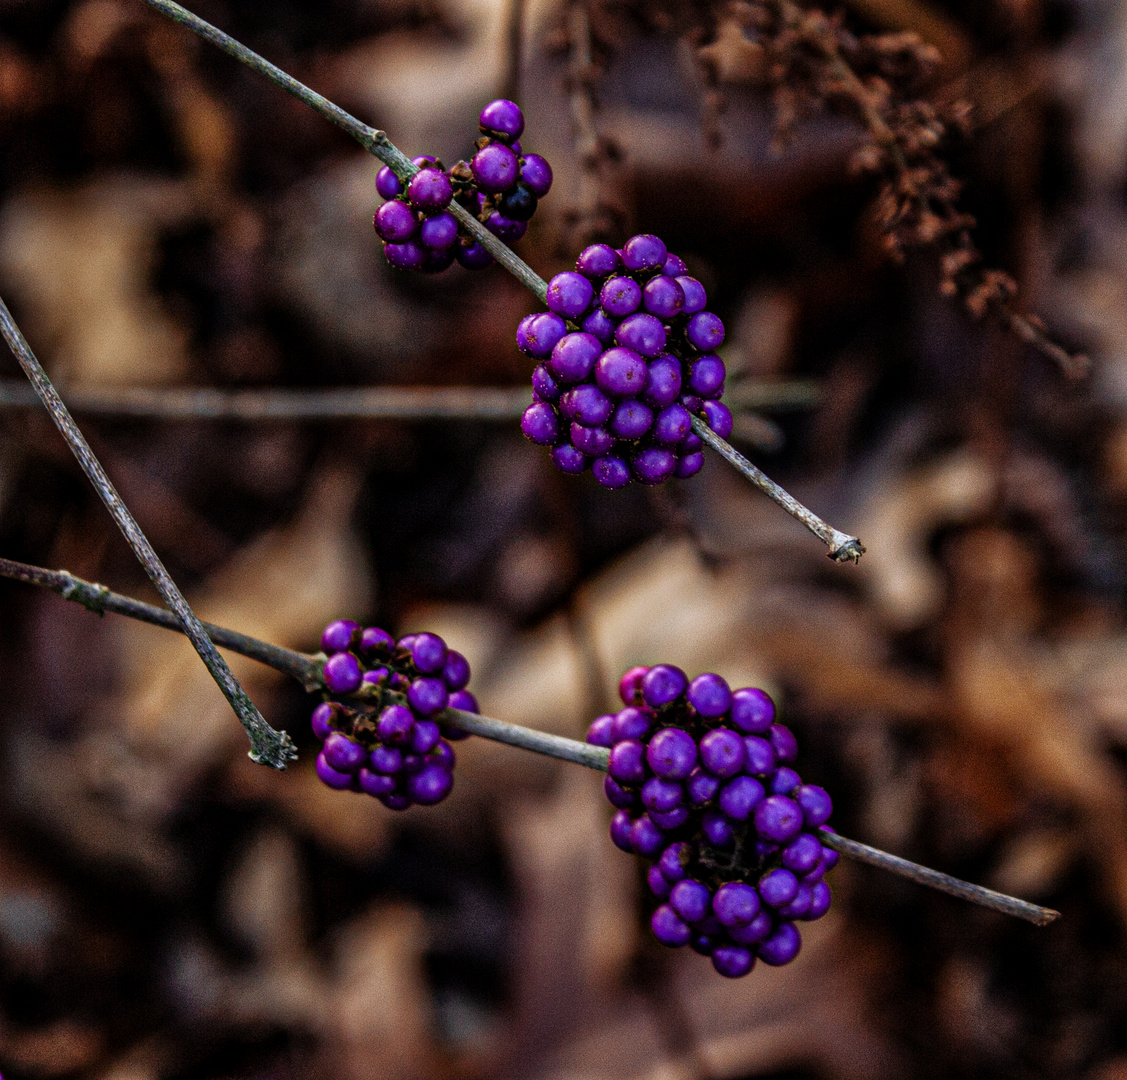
{"x":385,"y":742}
{"x":500,"y":186}
{"x":627,"y":356}
{"x":702,"y":781}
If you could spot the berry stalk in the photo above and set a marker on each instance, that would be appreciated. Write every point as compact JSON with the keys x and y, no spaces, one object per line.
{"x":841,"y":545}
{"x":268,"y":746}
{"x":307,"y":669}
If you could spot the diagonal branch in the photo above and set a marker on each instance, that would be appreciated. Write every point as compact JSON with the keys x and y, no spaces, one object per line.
{"x":307,"y":670}
{"x":268,"y":747}
{"x":377,"y":143}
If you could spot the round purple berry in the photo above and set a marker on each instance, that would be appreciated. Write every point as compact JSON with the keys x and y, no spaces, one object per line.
{"x":395,"y":222}
{"x":781,"y":947}
{"x":701,"y":787}
{"x":617,"y":795}
{"x":705,"y":331}
{"x":385,"y":759}
{"x":506,"y":229}
{"x":717,"y":829}
{"x":759,"y":928}
{"x":783,"y":742}
{"x":735,"y":903}
{"x":502,"y":118}
{"x":375,"y":640}
{"x":430,"y":785}
{"x":670,"y":819}
{"x":778,"y":888}
{"x":657,"y":883}
{"x":800,"y":905}
{"x":732,"y":961}
{"x":592,"y":441}
{"x":340,"y":636}
{"x":759,"y":758}
{"x":669,"y":928}
{"x":778,"y":819}
{"x":653,"y":465}
{"x":342,"y":753}
{"x":518,"y":203}
{"x":674,"y":861}
{"x":620,"y":296}
{"x":375,"y":784}
{"x":426,"y":736}
{"x":456,"y":670}
{"x":473,"y":256}
{"x":429,"y":190}
{"x":428,"y":696}
{"x":663,"y":381}
{"x":495,"y":168}
{"x":540,"y":424}
{"x":706,"y":377}
{"x":690,"y":899}
{"x":542,"y":334}
{"x":599,"y":323}
{"x":674,"y":266}
{"x":662,"y":684}
{"x":428,"y":653}
{"x":396,"y":725}
{"x":646,"y":839}
{"x":671,"y":425}
{"x":710,"y":696}
{"x":718,"y":416}
{"x":631,"y":723}
{"x":644,"y":252}
{"x":803,"y":854}
{"x":569,"y":460}
{"x":544,"y":386}
{"x":784,"y":781}
{"x":620,"y":372}
{"x":819,"y":901}
{"x":388,"y":185}
{"x":342,"y":673}
{"x":643,"y":333}
{"x":663,"y":297}
{"x":569,"y":294}
{"x":740,"y":796}
{"x":662,"y":795}
{"x":631,"y":420}
{"x":688,"y":466}
{"x":628,"y":762}
{"x":324,"y":719}
{"x":587,"y":404}
{"x":753,"y":711}
{"x":815,"y":802}
{"x":574,"y":355}
{"x":611,"y":472}
{"x":722,"y":752}
{"x":330,"y":776}
{"x":597,"y":261}
{"x":537,"y":174}
{"x":408,"y":256}
{"x":695,"y":296}
{"x":671,"y":753}
{"x":630,"y":685}
{"x":439,"y":232}
{"x":620,"y":826}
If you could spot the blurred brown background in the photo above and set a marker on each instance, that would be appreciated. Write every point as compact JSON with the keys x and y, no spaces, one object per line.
{"x":170,"y":912}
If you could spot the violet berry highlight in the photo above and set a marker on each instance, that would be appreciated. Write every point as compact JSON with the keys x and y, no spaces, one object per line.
{"x":639,"y":333}
{"x":387,"y":740}
{"x":700,"y":785}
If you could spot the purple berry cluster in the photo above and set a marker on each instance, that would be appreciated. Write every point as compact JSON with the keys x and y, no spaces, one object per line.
{"x":702,"y":782}
{"x":627,"y":356}
{"x":501,"y":186}
{"x":395,"y":751}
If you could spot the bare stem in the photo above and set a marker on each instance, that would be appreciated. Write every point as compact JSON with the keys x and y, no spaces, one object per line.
{"x":307,"y":669}
{"x":268,"y":747}
{"x":377,"y":143}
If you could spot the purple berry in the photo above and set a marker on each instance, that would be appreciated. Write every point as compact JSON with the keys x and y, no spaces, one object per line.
{"x":646,"y":839}
{"x":778,"y":819}
{"x":778,"y":887}
{"x":385,"y":759}
{"x":324,"y":719}
{"x":662,"y":684}
{"x":674,"y":861}
{"x":620,"y":372}
{"x":657,"y":883}
{"x":691,"y":402}
{"x":695,"y":296}
{"x":705,"y":331}
{"x":375,"y":640}
{"x":631,"y":420}
{"x":375,"y":677}
{"x":395,"y":222}
{"x":671,"y":425}
{"x":671,"y":819}
{"x":784,"y":781}
{"x":423,"y":160}
{"x":340,"y":636}
{"x":618,"y":796}
{"x":597,"y":261}
{"x":706,"y":377}
{"x":537,"y":174}
{"x":506,"y":229}
{"x":620,"y":296}
{"x":502,"y":118}
{"x":587,"y":404}
{"x":630,"y":685}
{"x":595,"y":442}
{"x":702,"y":944}
{"x":428,"y":696}
{"x":653,"y":465}
{"x":702,"y":787}
{"x":732,"y":961}
{"x":434,"y":262}
{"x":628,"y":762}
{"x":739,"y":797}
{"x":426,"y":736}
{"x":759,"y":928}
{"x":735,"y":903}
{"x":408,"y":256}
{"x":395,"y":801}
{"x":620,"y":826}
{"x":759,"y":758}
{"x":662,"y":795}
{"x":473,"y":256}
{"x":544,"y":333}
{"x":388,"y":185}
{"x":819,"y":901}
{"x":631,"y":723}
{"x":599,"y":323}
{"x":753,"y":711}
{"x":569,"y":294}
{"x":495,"y":168}
{"x":663,"y":381}
{"x":669,"y":928}
{"x":342,"y":673}
{"x":803,"y":854}
{"x":671,"y":753}
{"x":329,"y":776}
{"x":574,"y":356}
{"x":342,"y":753}
{"x":718,"y":416}
{"x":781,"y":947}
{"x":439,"y":232}
{"x":644,"y":252}
{"x":690,"y":899}
{"x":540,"y":424}
{"x":643,"y":333}
{"x":688,"y":466}
{"x":611,"y":472}
{"x":691,"y":443}
{"x":396,"y":725}
{"x":674,"y":266}
{"x":428,"y":653}
{"x":800,"y":905}
{"x":429,"y":190}
{"x":544,"y":386}
{"x":375,"y":784}
{"x":456,"y":670}
{"x":721,"y":751}
{"x":518,"y":203}
{"x":717,"y":829}
{"x":663,"y":297}
{"x":430,"y":785}
{"x":783,"y":741}
{"x":569,"y":460}
{"x":709,"y":695}
{"x":815,"y":802}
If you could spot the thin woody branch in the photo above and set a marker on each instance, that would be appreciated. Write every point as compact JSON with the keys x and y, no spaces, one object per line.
{"x":307,"y":668}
